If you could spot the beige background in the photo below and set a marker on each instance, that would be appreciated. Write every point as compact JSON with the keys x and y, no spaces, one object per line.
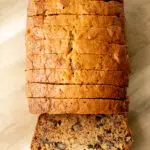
{"x":16,"y":124}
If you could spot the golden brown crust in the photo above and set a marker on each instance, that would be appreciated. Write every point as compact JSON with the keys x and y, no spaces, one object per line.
{"x":111,"y":34}
{"x":77,"y":62}
{"x":77,"y":106}
{"x":75,"y":91}
{"x":82,"y":132}
{"x":48,"y":7}
{"x":75,"y":21}
{"x":66,"y":76}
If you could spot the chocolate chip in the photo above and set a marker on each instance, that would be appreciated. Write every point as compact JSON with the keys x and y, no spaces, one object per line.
{"x":96,"y":146}
{"x":59,"y":122}
{"x":76,"y":126}
{"x":39,"y":148}
{"x":118,"y":15}
{"x":55,"y":122}
{"x":99,"y":117}
{"x":106,"y":0}
{"x":108,"y":131}
{"x":60,"y":146}
{"x":99,"y":125}
{"x":90,"y":146}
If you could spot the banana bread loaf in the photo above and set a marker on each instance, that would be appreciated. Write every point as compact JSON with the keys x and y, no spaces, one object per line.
{"x":76,"y":55}
{"x":82,"y":132}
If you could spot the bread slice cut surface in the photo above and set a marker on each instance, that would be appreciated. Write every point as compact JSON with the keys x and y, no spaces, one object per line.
{"x":82,"y":132}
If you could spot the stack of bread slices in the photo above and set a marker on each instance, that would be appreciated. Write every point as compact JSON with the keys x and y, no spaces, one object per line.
{"x":77,"y":69}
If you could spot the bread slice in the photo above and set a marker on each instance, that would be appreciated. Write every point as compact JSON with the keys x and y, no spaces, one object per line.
{"x":77,"y":106}
{"x":62,"y":46}
{"x":66,"y":76}
{"x":82,"y":132}
{"x":77,"y":62}
{"x":77,"y":7}
{"x":75,"y":21}
{"x":75,"y":91}
{"x":111,"y":34}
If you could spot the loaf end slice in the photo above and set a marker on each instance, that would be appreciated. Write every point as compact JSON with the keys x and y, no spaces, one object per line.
{"x":82,"y":132}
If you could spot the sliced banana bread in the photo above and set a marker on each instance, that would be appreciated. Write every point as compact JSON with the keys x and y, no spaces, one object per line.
{"x":76,"y":56}
{"x":77,"y":62}
{"x":75,"y":21}
{"x":75,"y":91}
{"x":63,"y":46}
{"x":67,"y":76}
{"x":110,"y":34}
{"x":77,"y":106}
{"x":88,"y":7}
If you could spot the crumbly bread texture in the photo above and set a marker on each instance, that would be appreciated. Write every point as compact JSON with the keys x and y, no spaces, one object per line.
{"x":77,"y":62}
{"x":75,"y":21}
{"x":75,"y":91}
{"x":111,"y":34}
{"x":77,"y":106}
{"x":63,"y":46}
{"x":82,"y":132}
{"x":77,"y":7}
{"x":67,"y":76}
